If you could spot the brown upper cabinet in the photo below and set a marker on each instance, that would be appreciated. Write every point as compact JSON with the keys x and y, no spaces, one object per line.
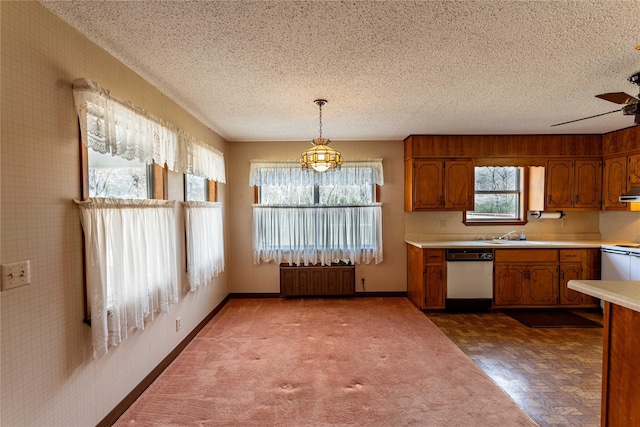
{"x":573,"y":184}
{"x":621,"y":151}
{"x":615,"y":183}
{"x":438,"y":184}
{"x":633,"y":169}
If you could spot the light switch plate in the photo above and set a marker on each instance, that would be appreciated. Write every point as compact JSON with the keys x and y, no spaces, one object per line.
{"x":16,"y":274}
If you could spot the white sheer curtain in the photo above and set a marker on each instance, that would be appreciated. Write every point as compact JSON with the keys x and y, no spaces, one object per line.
{"x":131,"y":265}
{"x":290,"y":228}
{"x":311,"y":235}
{"x":109,"y":125}
{"x":205,"y":243}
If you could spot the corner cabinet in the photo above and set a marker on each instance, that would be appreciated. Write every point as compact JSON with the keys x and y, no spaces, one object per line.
{"x":578,"y":264}
{"x":438,"y":184}
{"x":426,"y":277}
{"x":615,"y":183}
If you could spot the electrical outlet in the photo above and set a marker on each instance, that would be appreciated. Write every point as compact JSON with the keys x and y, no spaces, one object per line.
{"x":564,"y":222}
{"x":443,"y":223}
{"x":178,"y":324}
{"x":16,"y":274}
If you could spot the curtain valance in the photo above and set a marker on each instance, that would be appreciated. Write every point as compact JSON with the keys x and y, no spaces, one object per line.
{"x":361,"y":172}
{"x":109,"y":125}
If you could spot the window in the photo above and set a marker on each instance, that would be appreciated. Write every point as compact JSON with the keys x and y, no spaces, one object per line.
{"x":199,"y":189}
{"x":130,"y":241}
{"x":308,"y":217}
{"x":195,"y":188}
{"x":118,"y":178}
{"x":497,"y":196}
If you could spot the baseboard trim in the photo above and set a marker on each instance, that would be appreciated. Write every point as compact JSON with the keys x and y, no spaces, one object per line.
{"x":125,"y":403}
{"x":394,"y":294}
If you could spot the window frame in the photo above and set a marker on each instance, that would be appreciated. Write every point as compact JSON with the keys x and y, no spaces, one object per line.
{"x":158,"y":177}
{"x":524,"y":197}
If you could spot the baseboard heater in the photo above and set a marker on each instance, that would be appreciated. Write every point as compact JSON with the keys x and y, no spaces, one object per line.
{"x":317,"y":280}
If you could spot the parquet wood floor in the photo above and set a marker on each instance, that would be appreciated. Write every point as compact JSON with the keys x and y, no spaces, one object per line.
{"x":554,"y":374}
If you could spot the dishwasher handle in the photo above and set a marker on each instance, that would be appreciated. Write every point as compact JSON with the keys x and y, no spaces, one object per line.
{"x":615,"y":251}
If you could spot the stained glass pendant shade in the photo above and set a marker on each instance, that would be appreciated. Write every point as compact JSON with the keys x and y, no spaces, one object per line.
{"x":321,"y":157}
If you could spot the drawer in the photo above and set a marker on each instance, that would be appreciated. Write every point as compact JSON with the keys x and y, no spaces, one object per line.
{"x":570,"y":255}
{"x":525,"y":255}
{"x":433,"y":256}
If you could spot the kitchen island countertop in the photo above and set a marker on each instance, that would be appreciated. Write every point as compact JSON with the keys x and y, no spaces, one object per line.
{"x":625,"y":293}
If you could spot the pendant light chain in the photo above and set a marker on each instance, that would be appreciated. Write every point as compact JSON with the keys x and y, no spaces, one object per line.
{"x":320,"y":103}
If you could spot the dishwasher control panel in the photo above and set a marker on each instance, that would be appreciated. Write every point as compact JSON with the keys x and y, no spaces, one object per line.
{"x":469,"y":255}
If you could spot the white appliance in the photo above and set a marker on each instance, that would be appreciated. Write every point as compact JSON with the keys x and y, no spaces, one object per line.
{"x":621,"y":262}
{"x":634,"y":268}
{"x":469,"y":279}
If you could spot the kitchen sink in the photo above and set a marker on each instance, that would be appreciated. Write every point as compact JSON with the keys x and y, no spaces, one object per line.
{"x":517,"y":242}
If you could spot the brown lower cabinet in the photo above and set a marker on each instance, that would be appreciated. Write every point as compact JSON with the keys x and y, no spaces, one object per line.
{"x":426,"y":277}
{"x":538,"y":277}
{"x":521,"y":277}
{"x":620,"y":367}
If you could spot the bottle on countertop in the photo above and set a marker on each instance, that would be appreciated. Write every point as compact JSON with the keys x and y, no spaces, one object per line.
{"x":522,"y":235}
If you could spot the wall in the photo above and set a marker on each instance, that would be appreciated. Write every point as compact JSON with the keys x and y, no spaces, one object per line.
{"x":620,"y":226}
{"x":246,"y":277}
{"x":48,"y":375}
{"x":578,"y":225}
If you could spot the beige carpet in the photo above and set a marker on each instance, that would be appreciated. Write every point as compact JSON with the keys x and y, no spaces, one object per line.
{"x":322,"y":362}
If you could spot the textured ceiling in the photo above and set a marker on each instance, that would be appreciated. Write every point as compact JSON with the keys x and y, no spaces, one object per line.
{"x":250,"y":70}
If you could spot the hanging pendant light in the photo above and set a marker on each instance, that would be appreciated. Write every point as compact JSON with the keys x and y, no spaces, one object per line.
{"x":321,"y":157}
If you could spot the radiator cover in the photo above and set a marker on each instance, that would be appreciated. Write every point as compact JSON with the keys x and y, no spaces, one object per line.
{"x":331,"y":280}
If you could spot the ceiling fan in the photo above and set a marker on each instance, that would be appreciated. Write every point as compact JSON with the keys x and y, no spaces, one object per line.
{"x":631,"y":104}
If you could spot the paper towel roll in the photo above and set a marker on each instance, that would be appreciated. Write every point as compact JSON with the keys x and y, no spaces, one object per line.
{"x":548,"y":215}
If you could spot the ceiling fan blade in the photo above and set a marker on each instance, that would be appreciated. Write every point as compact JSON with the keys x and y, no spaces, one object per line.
{"x":585,"y":118}
{"x":618,"y":98}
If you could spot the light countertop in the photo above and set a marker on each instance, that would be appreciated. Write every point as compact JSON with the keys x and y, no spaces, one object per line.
{"x":623,"y":293}
{"x":505,"y":244}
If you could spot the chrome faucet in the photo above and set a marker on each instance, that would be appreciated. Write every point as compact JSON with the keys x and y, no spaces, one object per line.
{"x":506,"y":236}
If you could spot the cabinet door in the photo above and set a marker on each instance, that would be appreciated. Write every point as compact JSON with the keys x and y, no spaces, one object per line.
{"x":458,"y":184}
{"x":428,"y":184}
{"x":588,"y":184}
{"x":615,"y":183}
{"x":310,"y":281}
{"x":634,"y":170}
{"x":288,"y":281}
{"x":542,"y":284}
{"x":560,"y":184}
{"x":509,"y":285}
{"x":569,"y":296}
{"x":415,"y":275}
{"x":434,"y":286}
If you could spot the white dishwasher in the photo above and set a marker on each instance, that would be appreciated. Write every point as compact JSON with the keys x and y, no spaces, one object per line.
{"x":469,"y":279}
